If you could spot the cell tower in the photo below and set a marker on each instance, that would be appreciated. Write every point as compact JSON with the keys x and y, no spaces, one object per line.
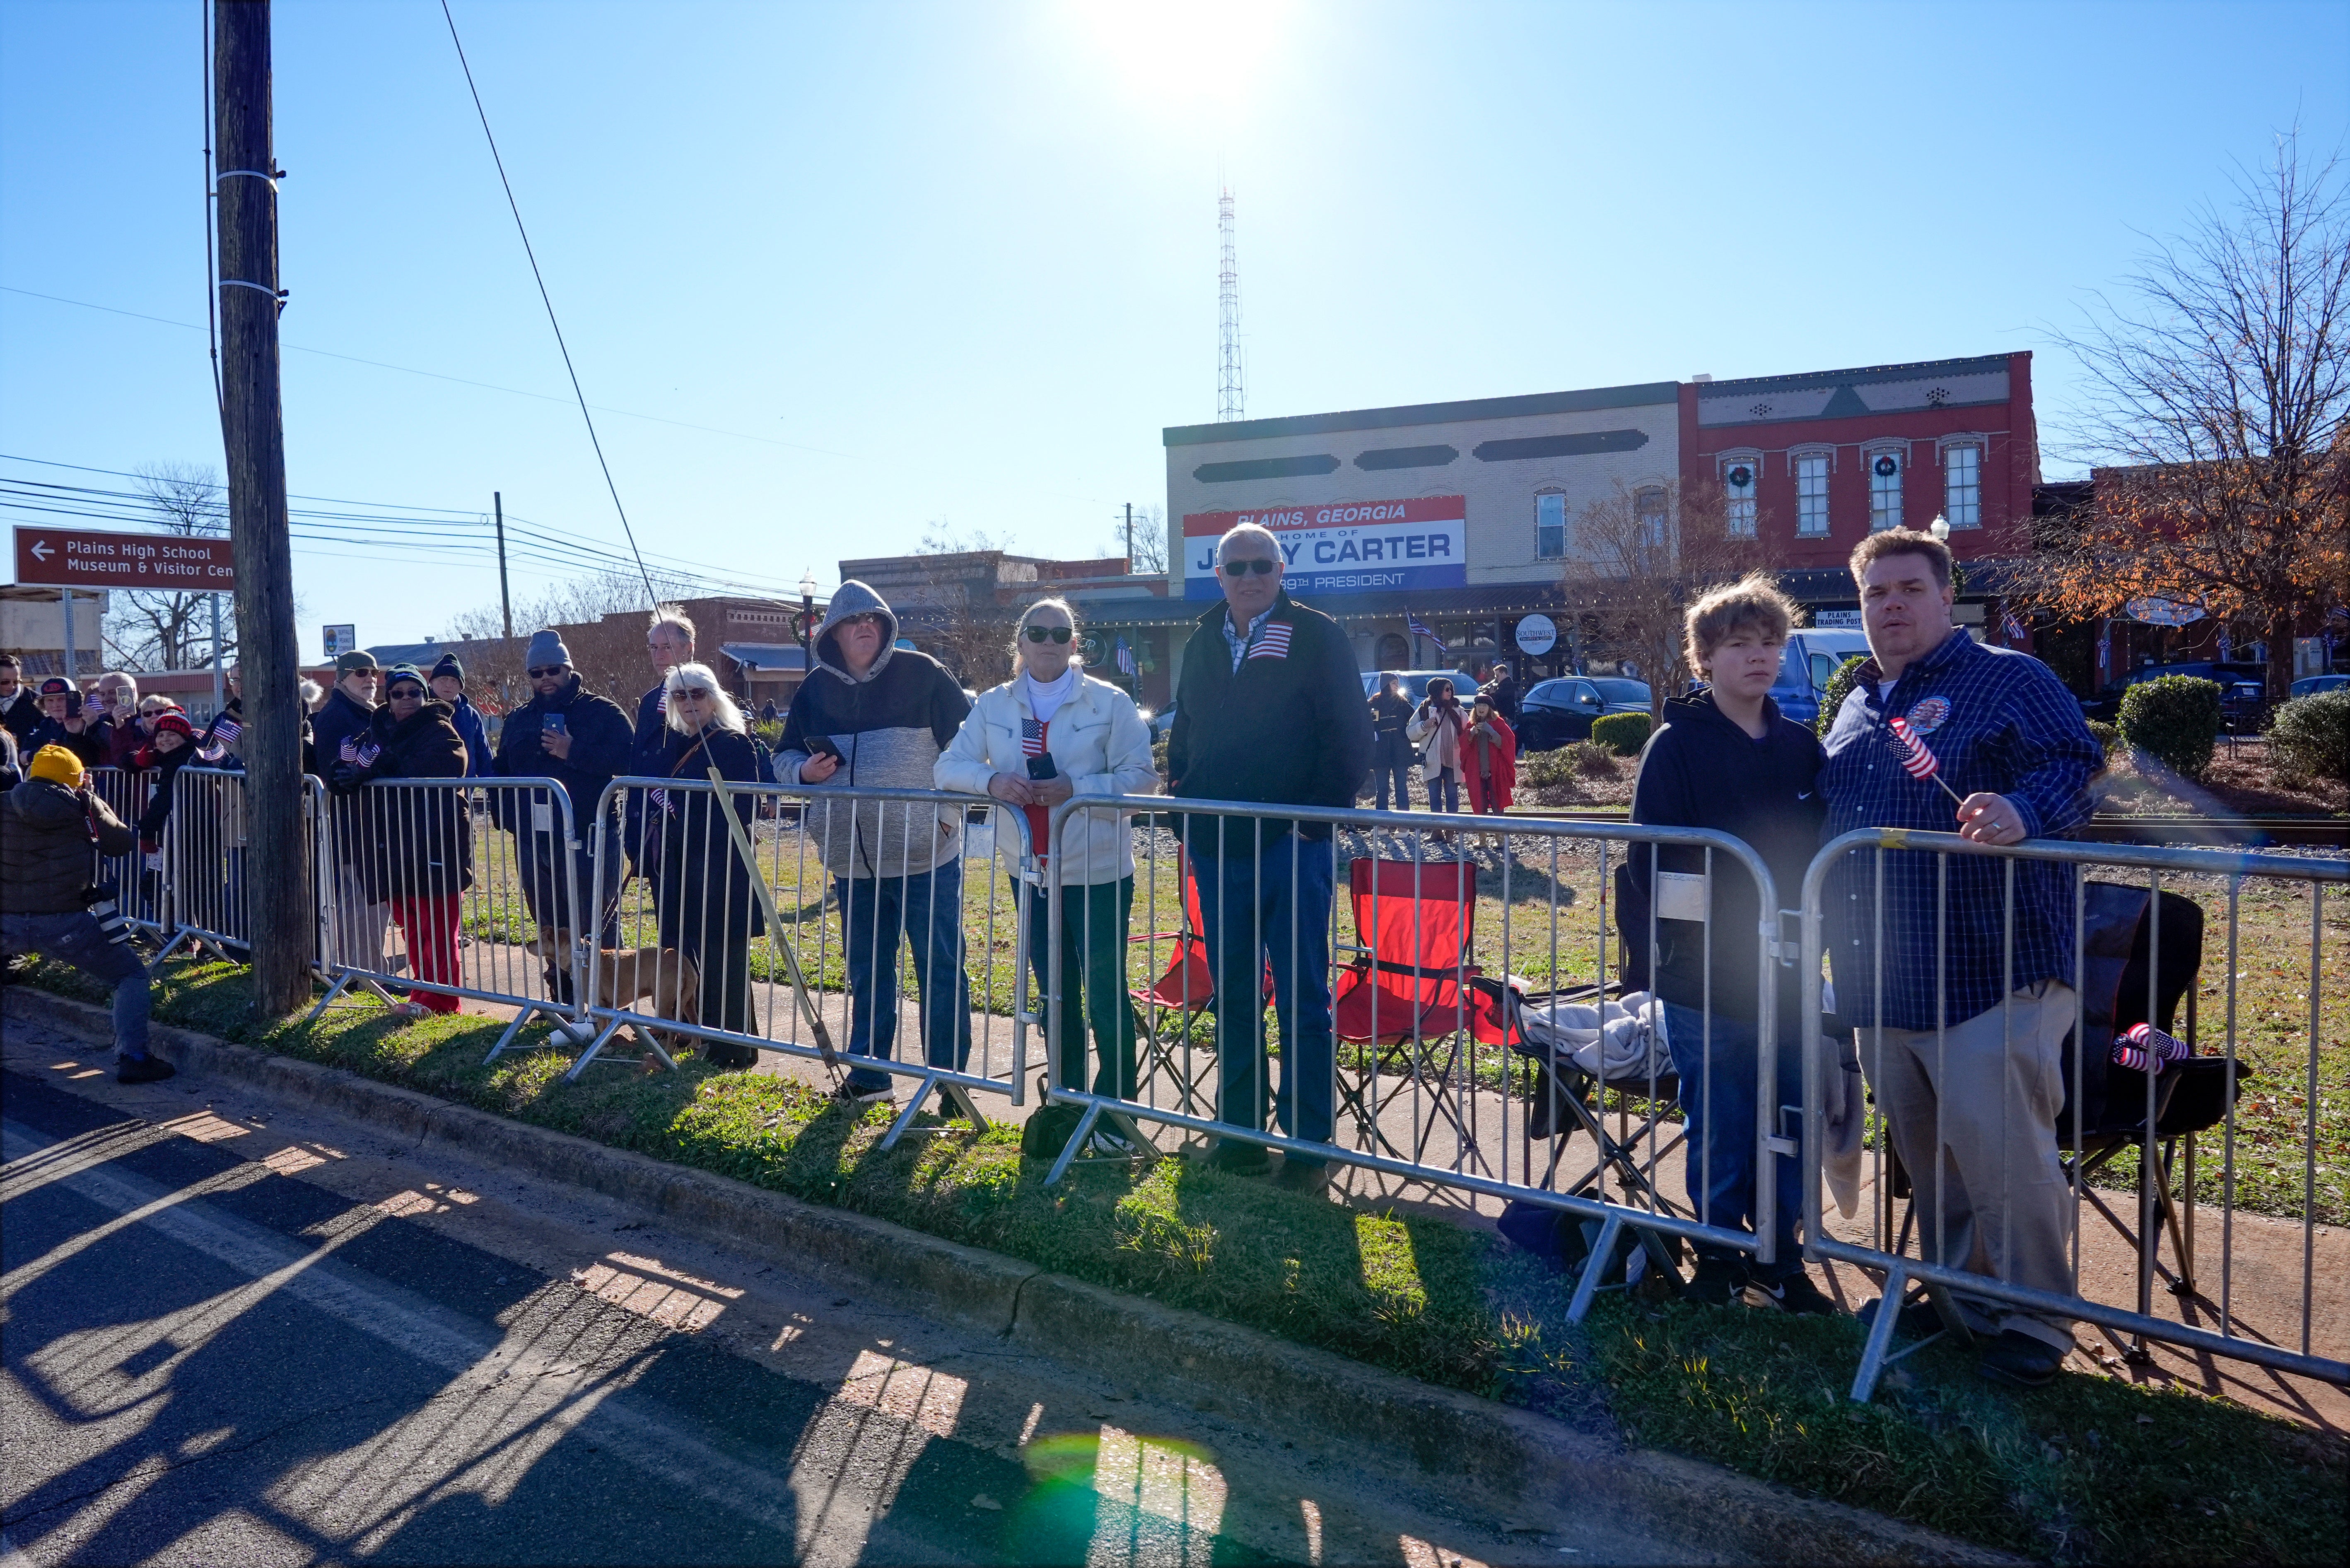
{"x":1232,"y":398}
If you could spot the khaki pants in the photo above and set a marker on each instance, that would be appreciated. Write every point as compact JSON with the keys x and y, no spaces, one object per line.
{"x":1995,"y":1202}
{"x":359,"y":926}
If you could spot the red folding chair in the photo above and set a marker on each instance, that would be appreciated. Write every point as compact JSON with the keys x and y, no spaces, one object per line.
{"x":1188,"y":990}
{"x":1414,"y":998}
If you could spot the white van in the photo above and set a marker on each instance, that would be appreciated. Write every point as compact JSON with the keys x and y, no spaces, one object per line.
{"x":1811,"y":659}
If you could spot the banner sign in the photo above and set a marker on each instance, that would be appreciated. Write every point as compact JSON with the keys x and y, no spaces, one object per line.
{"x":1348,"y":547}
{"x":97,"y":558}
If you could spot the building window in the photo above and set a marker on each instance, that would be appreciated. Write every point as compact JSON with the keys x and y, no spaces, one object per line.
{"x":1738,"y":477}
{"x":1885,"y":489}
{"x":1812,"y":494}
{"x":1550,"y":527}
{"x":1648,"y":508}
{"x":1963,"y":486}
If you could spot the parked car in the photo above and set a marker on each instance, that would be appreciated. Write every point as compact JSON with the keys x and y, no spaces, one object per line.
{"x":1162,"y":722}
{"x":2107,"y":702}
{"x":2243,"y":707}
{"x":2311,"y":685}
{"x":1811,"y":661}
{"x":1553,"y":712}
{"x":1415,"y":683}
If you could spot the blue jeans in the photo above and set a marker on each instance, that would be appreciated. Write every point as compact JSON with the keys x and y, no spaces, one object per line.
{"x":1400,"y":773}
{"x":1275,"y":904}
{"x":75,"y":938}
{"x":877,"y":915}
{"x":1444,"y":792}
{"x":1720,"y":1103}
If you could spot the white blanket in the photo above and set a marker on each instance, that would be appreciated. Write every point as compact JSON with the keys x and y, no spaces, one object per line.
{"x":1621,"y":1039}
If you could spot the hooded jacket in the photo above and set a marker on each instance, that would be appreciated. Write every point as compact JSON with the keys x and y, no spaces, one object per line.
{"x":890,"y":725}
{"x":1702,"y":770}
{"x":50,"y":839}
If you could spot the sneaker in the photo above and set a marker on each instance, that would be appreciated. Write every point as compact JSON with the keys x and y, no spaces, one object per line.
{"x":2019,"y":1360}
{"x":144,"y":1070}
{"x":1716,"y":1282}
{"x":1796,"y":1293}
{"x":1919,"y":1320}
{"x":408,"y":1010}
{"x":854,"y":1094}
{"x":1241,"y":1159}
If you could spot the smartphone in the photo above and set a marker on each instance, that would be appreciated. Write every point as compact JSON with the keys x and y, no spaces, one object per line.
{"x":822,"y":746}
{"x":1043,"y":767}
{"x":553,"y":724}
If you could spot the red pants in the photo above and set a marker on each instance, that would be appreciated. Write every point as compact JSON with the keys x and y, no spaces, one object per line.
{"x":430,"y":924}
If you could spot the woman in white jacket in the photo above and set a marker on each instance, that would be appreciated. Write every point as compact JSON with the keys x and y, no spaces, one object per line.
{"x":1049,"y":733}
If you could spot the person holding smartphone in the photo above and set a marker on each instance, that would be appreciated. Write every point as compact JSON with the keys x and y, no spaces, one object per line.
{"x":1438,"y":728}
{"x":1049,"y":734}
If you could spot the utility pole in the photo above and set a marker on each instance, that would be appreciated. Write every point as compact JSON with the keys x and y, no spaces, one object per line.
{"x":505,"y":603}
{"x":278,"y":888}
{"x":1129,"y":538}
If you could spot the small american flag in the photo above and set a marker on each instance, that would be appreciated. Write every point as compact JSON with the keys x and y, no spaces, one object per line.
{"x":2015,"y":629}
{"x":1418,"y":629}
{"x":2147,"y":1048}
{"x":349,"y":749}
{"x":226,"y":730}
{"x":368,"y":753}
{"x":1125,"y":658}
{"x":1917,"y":757}
{"x":1272,"y":642}
{"x":660,"y":798}
{"x":1032,"y":737}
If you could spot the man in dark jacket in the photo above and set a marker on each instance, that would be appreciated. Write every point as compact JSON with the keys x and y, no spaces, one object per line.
{"x":449,"y":690}
{"x":357,"y":921}
{"x":64,"y":724}
{"x":580,"y":739}
{"x":872,"y":715}
{"x":1726,"y":759}
{"x":1502,"y":692}
{"x":1270,"y":708}
{"x":20,"y":711}
{"x":51,"y":826}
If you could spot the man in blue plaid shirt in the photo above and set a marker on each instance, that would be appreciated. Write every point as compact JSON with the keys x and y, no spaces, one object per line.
{"x":1965,"y":1056}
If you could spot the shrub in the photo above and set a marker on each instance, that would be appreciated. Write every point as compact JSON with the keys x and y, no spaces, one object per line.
{"x":1546,"y":770}
{"x":1591,"y":760}
{"x":2108,"y":735}
{"x":2174,"y":719}
{"x":1839,"y":688}
{"x":2311,"y":735}
{"x":1623,"y":734}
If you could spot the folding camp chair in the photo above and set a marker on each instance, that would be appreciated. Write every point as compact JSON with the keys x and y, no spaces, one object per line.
{"x":1188,"y":990}
{"x":1565,"y":1098}
{"x":1413,"y":1003}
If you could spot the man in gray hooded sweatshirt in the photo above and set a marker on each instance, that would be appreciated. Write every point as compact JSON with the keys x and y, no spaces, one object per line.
{"x":871,"y":715}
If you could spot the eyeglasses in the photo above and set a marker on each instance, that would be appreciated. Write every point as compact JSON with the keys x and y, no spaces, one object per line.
{"x":545,"y":671}
{"x":1257,"y":564}
{"x":1048,"y":634}
{"x":867,"y":618}
{"x":699,"y":694}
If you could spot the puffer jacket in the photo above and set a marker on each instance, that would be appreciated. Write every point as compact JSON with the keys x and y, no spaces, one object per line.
{"x":1096,"y":741}
{"x":890,"y":725}
{"x":419,"y":842}
{"x":50,"y":839}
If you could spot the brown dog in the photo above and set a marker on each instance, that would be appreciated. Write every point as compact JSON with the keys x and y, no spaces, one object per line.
{"x":625,"y":976}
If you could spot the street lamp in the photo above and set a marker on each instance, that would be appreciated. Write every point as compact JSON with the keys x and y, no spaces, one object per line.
{"x":807,"y":621}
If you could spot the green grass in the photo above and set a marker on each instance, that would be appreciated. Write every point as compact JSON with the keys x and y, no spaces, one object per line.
{"x":2089,"y":1470}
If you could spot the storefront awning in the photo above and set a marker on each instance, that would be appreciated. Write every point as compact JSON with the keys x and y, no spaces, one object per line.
{"x":767,"y":658}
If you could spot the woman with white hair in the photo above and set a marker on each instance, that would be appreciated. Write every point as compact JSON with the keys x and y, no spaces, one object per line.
{"x":1050,"y":734}
{"x":702,"y":890}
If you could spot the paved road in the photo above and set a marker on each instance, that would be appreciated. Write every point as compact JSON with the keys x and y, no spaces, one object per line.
{"x":238,"y":1331}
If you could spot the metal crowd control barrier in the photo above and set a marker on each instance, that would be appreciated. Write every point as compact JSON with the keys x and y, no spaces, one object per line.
{"x":143,"y":895}
{"x":2138,"y":950}
{"x":802,"y":959}
{"x":1457,"y":949}
{"x":205,"y":841}
{"x":479,"y":880}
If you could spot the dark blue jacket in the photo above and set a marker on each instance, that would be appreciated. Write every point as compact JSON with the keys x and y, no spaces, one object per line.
{"x":467,"y":719}
{"x":599,"y":745}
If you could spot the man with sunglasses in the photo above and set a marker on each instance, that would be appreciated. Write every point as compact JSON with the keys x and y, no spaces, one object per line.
{"x":1269,"y":708}
{"x":581,"y":741}
{"x":872,"y":715}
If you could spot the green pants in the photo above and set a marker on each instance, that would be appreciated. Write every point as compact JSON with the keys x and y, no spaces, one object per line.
{"x":1093,"y":971}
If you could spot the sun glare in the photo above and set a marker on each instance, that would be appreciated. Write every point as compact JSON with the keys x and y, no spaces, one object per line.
{"x":1180,"y":52}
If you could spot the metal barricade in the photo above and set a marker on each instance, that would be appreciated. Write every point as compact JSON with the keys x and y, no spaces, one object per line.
{"x":451,"y":887}
{"x":203,"y":846}
{"x":140,"y":891}
{"x":1423,"y":974}
{"x":794,"y":919}
{"x":2007,"y":974}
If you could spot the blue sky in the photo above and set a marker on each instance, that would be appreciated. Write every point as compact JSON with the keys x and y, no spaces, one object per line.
{"x":910,"y":263}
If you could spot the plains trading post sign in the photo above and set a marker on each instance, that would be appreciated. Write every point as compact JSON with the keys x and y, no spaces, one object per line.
{"x":90,"y":558}
{"x":1345,"y":547}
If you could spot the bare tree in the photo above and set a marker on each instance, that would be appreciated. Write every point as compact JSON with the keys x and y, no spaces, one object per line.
{"x":1635,"y":560}
{"x":602,"y":620}
{"x":942,"y":538}
{"x":170,"y":631}
{"x":1147,"y":556}
{"x":2219,"y":394}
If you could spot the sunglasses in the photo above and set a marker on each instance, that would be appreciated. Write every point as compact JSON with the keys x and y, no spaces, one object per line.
{"x":1048,"y":634}
{"x":544,"y":670}
{"x":406,"y":689}
{"x":699,"y":694}
{"x":867,"y":619}
{"x":1243,"y":568}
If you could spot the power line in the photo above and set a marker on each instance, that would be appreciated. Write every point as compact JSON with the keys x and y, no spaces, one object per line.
{"x":515,"y":207}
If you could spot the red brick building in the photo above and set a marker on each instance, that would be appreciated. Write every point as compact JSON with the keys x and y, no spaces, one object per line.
{"x":1813,"y":462}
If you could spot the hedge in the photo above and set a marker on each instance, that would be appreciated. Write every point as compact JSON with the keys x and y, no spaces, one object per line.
{"x":1622,"y":734}
{"x":1839,"y":688}
{"x":2312,"y":735}
{"x":2175,"y":719}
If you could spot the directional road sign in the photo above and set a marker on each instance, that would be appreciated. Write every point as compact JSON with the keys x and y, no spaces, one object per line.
{"x":90,"y":558}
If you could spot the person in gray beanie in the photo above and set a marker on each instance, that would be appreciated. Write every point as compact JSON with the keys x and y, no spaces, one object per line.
{"x":569,"y":734}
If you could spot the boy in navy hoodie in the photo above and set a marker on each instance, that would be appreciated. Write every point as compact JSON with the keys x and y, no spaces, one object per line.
{"x":1726,"y":759}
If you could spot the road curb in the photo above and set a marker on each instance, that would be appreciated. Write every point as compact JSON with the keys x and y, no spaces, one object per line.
{"x":1448,"y":1436}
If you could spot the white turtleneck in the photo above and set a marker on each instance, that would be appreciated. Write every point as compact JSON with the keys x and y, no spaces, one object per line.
{"x":1045,"y":698}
